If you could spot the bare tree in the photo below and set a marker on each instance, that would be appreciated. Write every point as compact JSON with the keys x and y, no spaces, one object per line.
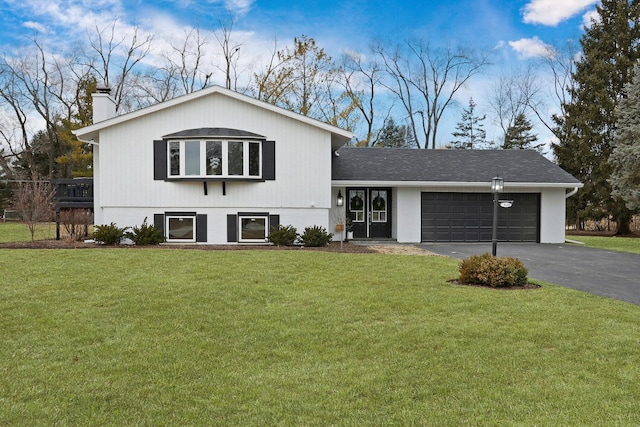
{"x":513,"y":95}
{"x":301,"y":80}
{"x":33,"y":202}
{"x":425,"y":80}
{"x":560,"y":63}
{"x":360,"y":78}
{"x":230,"y":53}
{"x":116,"y":58}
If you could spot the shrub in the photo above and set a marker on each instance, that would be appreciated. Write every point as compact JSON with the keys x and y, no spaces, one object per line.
{"x":146,"y":234}
{"x":283,"y":235}
{"x":315,"y":236}
{"x":75,"y":223}
{"x":109,"y":234}
{"x":493,"y":271}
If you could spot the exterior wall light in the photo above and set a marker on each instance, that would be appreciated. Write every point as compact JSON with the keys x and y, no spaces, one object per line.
{"x":339,"y":199}
{"x":497,"y":186}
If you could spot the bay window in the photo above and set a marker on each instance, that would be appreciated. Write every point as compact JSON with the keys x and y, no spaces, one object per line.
{"x":210,"y":158}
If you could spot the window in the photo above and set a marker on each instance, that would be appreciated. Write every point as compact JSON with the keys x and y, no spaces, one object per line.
{"x":194,"y":158}
{"x":253,"y":228}
{"x":181,"y":228}
{"x":356,"y":205}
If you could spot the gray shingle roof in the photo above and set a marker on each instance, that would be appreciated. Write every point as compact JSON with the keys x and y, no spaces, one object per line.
{"x":213,"y":133}
{"x":393,"y":164}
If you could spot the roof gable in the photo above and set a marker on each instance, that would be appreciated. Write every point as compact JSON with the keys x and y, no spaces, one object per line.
{"x":447,"y":166}
{"x":91,"y":133}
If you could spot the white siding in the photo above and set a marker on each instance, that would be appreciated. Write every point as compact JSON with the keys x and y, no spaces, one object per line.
{"x":301,"y":193}
{"x":409,"y":214}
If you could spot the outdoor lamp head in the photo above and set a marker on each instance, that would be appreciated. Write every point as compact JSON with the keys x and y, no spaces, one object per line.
{"x":339,"y":199}
{"x":497,"y":185}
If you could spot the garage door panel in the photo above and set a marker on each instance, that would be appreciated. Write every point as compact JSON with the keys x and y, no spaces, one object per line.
{"x":468,"y":217}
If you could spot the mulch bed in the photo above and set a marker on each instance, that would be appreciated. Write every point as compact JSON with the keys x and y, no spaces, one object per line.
{"x":529,"y":285}
{"x":62,"y":244}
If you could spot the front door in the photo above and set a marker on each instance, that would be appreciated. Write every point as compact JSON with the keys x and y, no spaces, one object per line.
{"x":369,"y":210}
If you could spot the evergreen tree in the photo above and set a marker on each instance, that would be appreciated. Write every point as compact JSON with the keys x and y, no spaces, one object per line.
{"x":470,"y":132}
{"x":77,"y":157}
{"x":625,"y":156}
{"x":395,"y":136}
{"x":519,"y":135}
{"x":610,"y":48}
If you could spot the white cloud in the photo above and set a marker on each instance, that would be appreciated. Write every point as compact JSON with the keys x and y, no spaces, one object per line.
{"x":589,"y":17}
{"x":552,"y":12}
{"x":35,"y":26}
{"x":531,"y":48}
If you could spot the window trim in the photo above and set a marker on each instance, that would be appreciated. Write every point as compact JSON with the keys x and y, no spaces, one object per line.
{"x":264,"y":217}
{"x":192,"y":217}
{"x":246,"y":160}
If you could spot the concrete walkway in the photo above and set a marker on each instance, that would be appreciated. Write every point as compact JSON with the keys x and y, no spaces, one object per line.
{"x":606,"y":273}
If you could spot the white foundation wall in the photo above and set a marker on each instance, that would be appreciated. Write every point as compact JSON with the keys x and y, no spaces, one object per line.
{"x":217,"y":218}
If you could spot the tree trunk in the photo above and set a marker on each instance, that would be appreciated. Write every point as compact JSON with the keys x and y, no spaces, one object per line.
{"x":624,"y":227}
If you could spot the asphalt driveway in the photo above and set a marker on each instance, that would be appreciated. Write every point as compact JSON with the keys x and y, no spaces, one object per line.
{"x":606,"y":273}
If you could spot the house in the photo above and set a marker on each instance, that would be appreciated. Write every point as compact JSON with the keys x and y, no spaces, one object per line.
{"x":219,"y":167}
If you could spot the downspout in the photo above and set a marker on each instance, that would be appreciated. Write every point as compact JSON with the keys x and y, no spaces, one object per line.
{"x":571,"y":193}
{"x":566,"y":196}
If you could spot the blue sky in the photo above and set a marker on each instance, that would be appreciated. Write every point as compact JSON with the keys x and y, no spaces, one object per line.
{"x":514,"y":31}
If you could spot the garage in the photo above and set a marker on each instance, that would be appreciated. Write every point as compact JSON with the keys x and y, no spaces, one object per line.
{"x":468,"y":217}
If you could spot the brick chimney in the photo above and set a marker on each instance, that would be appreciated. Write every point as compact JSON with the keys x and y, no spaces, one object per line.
{"x":104,"y":106}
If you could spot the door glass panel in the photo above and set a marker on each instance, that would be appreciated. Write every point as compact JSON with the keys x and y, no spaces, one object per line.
{"x":378,"y":205}
{"x":356,"y":205}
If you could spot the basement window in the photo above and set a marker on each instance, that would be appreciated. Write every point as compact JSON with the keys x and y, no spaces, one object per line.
{"x":181,"y":229}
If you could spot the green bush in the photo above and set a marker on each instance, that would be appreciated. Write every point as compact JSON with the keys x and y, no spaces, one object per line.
{"x":283,"y":235}
{"x":109,"y":234}
{"x":146,"y":234}
{"x":493,"y":271}
{"x":315,"y":236}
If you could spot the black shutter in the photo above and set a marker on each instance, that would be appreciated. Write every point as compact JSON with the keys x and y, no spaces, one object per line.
{"x":159,"y":160}
{"x":274,"y":221}
{"x":232,"y":228}
{"x":158,"y":221}
{"x":269,"y":160}
{"x":201,"y":228}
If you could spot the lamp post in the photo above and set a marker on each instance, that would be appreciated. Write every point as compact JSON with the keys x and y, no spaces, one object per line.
{"x":497,"y":186}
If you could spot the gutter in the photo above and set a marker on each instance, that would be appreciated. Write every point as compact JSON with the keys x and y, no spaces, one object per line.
{"x":571,"y":193}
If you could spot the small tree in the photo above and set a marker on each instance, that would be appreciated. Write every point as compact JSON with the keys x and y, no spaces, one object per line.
{"x":470,"y":131}
{"x":33,"y":203}
{"x":519,"y":135}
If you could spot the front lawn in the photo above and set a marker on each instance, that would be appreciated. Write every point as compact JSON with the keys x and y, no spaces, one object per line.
{"x":11,"y":231}
{"x":254,"y":338}
{"x":620,"y":244}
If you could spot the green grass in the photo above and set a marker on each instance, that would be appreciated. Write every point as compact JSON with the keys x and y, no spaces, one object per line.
{"x":620,"y":244}
{"x":12,"y":231}
{"x":301,"y":338}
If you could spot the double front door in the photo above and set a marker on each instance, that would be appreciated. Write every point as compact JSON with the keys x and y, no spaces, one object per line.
{"x":370,"y":212}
